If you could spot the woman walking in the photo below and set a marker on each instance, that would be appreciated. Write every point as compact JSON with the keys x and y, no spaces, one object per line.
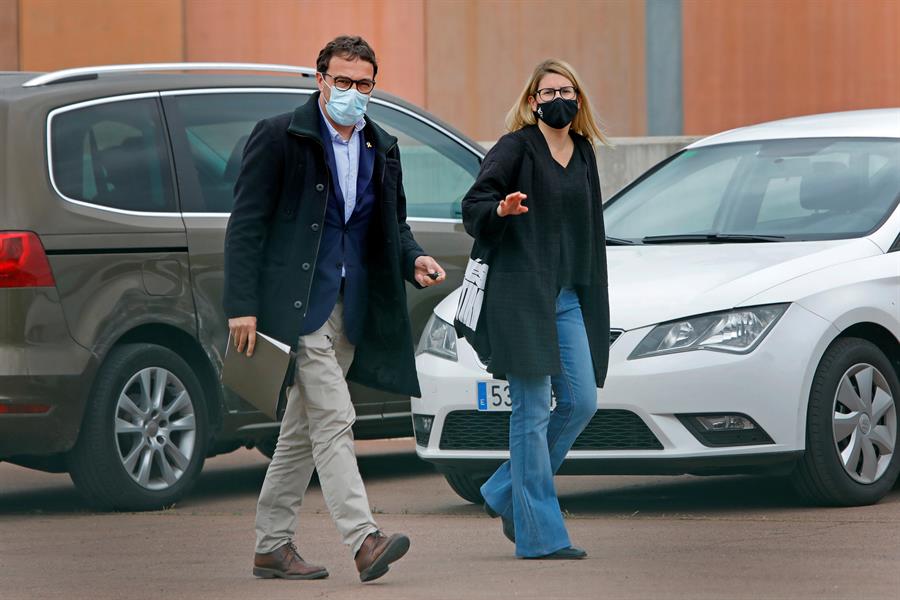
{"x":536,"y":207}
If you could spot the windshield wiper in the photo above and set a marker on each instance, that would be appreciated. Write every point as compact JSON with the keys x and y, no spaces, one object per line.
{"x":711,"y":238}
{"x":614,"y":241}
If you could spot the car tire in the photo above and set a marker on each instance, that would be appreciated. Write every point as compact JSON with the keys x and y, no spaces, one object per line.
{"x":141,"y":448}
{"x":866,"y":422}
{"x":466,"y":485}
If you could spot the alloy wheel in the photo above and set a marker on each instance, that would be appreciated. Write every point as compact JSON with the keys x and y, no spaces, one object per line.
{"x":155,"y":428}
{"x":864,"y":423}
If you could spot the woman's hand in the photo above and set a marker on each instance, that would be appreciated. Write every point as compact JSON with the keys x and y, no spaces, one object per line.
{"x":512,"y":205}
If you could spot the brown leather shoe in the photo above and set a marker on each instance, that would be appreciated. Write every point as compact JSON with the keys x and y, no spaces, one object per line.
{"x":285,"y":562}
{"x":377,"y":552}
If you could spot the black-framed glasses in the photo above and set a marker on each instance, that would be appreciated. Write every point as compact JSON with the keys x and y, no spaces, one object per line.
{"x":568,"y":92}
{"x":363,"y":86}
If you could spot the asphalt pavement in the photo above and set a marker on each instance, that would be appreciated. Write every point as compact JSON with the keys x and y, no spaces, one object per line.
{"x":647,"y":538}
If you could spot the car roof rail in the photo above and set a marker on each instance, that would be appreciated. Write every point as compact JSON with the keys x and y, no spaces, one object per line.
{"x":85,"y":73}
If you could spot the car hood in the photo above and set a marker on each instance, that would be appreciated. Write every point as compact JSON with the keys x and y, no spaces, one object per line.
{"x":650,"y":284}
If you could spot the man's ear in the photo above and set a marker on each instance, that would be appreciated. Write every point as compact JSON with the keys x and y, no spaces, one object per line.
{"x":320,"y":83}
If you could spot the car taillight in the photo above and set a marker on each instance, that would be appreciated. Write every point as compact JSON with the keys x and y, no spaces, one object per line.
{"x":24,"y":409}
{"x":23,"y":262}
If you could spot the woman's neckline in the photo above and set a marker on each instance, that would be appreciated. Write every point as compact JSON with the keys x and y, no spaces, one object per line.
{"x":564,"y":167}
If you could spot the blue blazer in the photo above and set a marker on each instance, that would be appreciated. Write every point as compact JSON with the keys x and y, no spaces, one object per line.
{"x":343,"y":247}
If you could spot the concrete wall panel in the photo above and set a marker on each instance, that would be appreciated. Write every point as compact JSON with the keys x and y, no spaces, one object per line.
{"x":293,"y":32}
{"x":747,"y":61}
{"x":56,"y":34}
{"x":480,"y":54}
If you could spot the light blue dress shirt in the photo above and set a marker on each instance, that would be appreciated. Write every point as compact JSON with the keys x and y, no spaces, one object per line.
{"x":346,"y":159}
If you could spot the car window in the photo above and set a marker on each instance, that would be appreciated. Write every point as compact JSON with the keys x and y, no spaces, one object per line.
{"x":437,"y":170}
{"x":787,"y":197}
{"x":113,"y":154}
{"x":797,"y":189}
{"x":697,"y":194}
{"x":781,"y":200}
{"x":217,"y":127}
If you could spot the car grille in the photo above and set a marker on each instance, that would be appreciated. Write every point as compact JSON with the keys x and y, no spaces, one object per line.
{"x":608,"y":430}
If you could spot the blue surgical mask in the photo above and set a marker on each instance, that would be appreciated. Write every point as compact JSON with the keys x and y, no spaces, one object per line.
{"x":346,"y":107}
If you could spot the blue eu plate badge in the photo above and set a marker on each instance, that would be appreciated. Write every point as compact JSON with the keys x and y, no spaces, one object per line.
{"x":482,"y":396}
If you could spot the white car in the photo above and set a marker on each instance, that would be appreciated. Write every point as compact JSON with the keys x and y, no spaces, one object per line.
{"x":754,"y":283}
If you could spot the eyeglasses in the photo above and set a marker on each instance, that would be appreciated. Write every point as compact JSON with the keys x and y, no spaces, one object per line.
{"x":568,"y":92}
{"x":363,"y":86}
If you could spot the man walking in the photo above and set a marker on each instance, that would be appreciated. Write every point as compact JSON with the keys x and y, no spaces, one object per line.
{"x":316,"y":252}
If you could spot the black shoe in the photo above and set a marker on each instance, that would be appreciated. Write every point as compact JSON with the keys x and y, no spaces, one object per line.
{"x":509,"y":528}
{"x":570,"y":553}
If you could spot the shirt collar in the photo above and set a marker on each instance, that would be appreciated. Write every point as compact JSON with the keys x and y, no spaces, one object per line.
{"x":335,"y":136}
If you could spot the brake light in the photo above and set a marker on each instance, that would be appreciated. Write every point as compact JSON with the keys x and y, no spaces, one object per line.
{"x":23,"y":262}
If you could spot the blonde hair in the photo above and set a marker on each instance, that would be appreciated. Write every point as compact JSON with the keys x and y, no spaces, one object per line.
{"x":521,"y":115}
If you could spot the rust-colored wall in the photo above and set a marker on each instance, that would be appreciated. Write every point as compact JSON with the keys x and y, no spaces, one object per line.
{"x":755,"y":60}
{"x":293,"y":32}
{"x":744,"y":61}
{"x":55,"y":34}
{"x":9,"y":35}
{"x":481,"y":53}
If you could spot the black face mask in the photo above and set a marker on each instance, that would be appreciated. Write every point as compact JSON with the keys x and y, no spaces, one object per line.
{"x":557,"y":113}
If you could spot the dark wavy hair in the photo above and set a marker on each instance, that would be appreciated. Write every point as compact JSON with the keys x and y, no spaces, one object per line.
{"x":348,"y":47}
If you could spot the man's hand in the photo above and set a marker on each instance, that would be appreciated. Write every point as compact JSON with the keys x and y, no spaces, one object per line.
{"x":512,"y":205}
{"x":243,"y":332}
{"x":428,"y":271}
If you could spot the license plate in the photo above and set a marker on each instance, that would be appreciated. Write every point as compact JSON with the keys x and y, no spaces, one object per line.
{"x":493,"y":396}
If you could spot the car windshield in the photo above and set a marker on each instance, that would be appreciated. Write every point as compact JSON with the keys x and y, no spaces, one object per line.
{"x":766,"y":191}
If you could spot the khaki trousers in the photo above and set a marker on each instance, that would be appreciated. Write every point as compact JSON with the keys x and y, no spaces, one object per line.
{"x":316,"y":434}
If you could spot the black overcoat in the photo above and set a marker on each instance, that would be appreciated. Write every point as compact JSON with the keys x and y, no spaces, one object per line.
{"x":520,"y":298}
{"x":273,"y":235}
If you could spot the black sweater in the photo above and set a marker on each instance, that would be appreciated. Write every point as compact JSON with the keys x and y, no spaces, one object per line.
{"x":576,"y":243}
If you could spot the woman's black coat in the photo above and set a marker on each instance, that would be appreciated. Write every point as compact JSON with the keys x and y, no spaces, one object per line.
{"x":519,"y":309}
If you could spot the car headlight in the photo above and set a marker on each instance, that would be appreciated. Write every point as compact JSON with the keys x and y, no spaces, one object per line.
{"x":738,"y":331}
{"x":439,"y":338}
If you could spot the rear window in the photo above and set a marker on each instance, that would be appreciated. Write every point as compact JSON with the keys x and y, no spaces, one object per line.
{"x":113,"y":155}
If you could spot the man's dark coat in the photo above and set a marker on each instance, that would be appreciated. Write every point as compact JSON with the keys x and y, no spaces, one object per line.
{"x":273,"y":236}
{"x":520,"y":299}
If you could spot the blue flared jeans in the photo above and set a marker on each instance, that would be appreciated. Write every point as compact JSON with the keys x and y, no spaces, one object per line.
{"x":522,"y":488}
